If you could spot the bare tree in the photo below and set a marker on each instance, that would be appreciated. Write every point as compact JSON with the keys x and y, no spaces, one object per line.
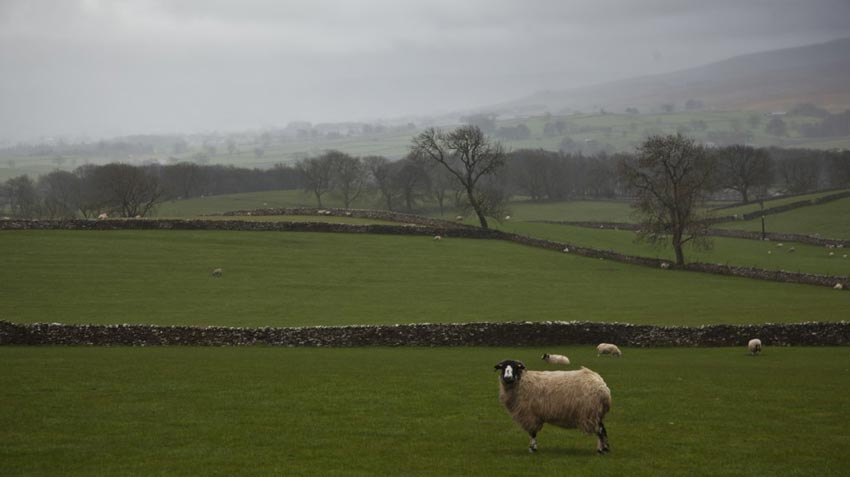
{"x":348,"y":176}
{"x":671,"y":177}
{"x":411,"y":181}
{"x":24,"y":201}
{"x":317,"y":173}
{"x":468,"y":155}
{"x":742,"y":168}
{"x":380,"y":168}
{"x":799,"y":175}
{"x":61,"y":192}
{"x":128,"y":190}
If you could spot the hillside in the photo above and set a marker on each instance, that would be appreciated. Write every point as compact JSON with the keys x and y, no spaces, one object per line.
{"x":772,"y":80}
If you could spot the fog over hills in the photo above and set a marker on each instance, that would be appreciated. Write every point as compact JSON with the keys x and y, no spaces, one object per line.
{"x":89,"y":69}
{"x":772,"y":80}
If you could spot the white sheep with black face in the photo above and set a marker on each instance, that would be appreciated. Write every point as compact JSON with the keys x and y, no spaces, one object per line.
{"x":569,"y":399}
{"x":754,"y":346}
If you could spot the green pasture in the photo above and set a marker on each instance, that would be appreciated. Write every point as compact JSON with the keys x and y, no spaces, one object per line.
{"x":293,"y":279}
{"x":754,"y":206}
{"x":413,"y":411}
{"x":830,"y":220}
{"x":726,"y":251}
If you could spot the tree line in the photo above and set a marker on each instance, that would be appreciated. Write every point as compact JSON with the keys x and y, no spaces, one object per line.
{"x":463,"y":169}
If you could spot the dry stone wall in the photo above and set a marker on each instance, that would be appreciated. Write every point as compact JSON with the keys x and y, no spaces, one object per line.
{"x":465,"y":334}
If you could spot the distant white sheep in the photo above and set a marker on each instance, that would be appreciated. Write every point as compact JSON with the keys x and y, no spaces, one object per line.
{"x":838,"y":286}
{"x":555,"y":359}
{"x":665,"y":265}
{"x":569,"y":399}
{"x":459,"y":218}
{"x":507,"y":217}
{"x":438,"y":237}
{"x":754,"y":346}
{"x":102,"y":216}
{"x":566,"y":250}
{"x":217,"y":272}
{"x":608,"y":348}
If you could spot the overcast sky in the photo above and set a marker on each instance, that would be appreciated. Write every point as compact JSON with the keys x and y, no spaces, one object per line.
{"x":105,"y":68}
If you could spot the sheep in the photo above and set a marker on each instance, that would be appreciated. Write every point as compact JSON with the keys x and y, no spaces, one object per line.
{"x":555,"y":359}
{"x":102,"y":216}
{"x":438,"y":237}
{"x":665,"y":265}
{"x":566,"y":250}
{"x":608,"y":348}
{"x":507,"y":217}
{"x":844,"y":256}
{"x":831,"y":254}
{"x":838,"y":286}
{"x":769,"y":252}
{"x":459,"y":218}
{"x":217,"y":272}
{"x":569,"y":399}
{"x":754,"y":346}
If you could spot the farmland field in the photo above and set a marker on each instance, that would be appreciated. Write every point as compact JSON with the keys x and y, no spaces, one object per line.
{"x":412,"y":411}
{"x":727,"y":251}
{"x":289,"y":278}
{"x":831,"y":220}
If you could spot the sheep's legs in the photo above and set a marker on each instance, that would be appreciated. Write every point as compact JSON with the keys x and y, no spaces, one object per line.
{"x":532,"y":444}
{"x":602,"y":439}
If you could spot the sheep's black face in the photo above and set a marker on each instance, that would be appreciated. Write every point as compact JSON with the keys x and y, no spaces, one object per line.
{"x":511,"y":370}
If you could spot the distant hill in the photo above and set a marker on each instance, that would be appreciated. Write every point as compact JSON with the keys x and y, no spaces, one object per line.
{"x":773,"y":80}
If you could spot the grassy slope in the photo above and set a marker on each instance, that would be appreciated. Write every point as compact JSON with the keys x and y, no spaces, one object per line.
{"x":278,"y":411}
{"x":279,"y":279}
{"x":729,"y":251}
{"x":829,"y":220}
{"x":754,"y":206}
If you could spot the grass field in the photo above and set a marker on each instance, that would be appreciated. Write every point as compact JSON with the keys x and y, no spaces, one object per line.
{"x":727,"y":251}
{"x":288,"y":278}
{"x":754,"y":206}
{"x":412,"y":411}
{"x":831,"y":220}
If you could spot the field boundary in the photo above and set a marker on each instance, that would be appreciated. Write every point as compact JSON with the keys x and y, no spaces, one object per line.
{"x":548,"y":333}
{"x":742,"y":234}
{"x":837,"y":282}
{"x":780,"y":208}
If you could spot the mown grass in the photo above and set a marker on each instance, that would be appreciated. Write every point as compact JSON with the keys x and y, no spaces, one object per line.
{"x":830,"y":220}
{"x":412,"y":411}
{"x":727,"y":251}
{"x":289,"y":278}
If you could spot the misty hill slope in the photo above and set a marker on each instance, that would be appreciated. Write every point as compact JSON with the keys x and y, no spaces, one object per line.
{"x":779,"y":79}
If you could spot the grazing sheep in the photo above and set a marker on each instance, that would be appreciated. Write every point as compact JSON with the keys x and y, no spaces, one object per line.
{"x":102,"y":216}
{"x":779,"y":244}
{"x":507,"y":217}
{"x":217,"y":272}
{"x":754,"y":346}
{"x":838,"y":286}
{"x":555,"y":359}
{"x":438,"y":237}
{"x":569,"y":399}
{"x":567,"y":250}
{"x":459,"y":218}
{"x":608,"y":348}
{"x":665,"y":265}
{"x":831,"y":254}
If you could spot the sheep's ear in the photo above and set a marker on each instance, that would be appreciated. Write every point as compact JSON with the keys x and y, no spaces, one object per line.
{"x":499,"y":366}
{"x":520,"y":365}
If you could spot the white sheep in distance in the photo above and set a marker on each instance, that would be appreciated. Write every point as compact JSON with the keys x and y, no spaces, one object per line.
{"x":555,"y":359}
{"x":608,"y":348}
{"x":103,"y":216}
{"x":569,"y":399}
{"x":217,"y":272}
{"x":754,"y":346}
{"x":459,"y":218}
{"x":438,"y":237}
{"x":838,"y":286}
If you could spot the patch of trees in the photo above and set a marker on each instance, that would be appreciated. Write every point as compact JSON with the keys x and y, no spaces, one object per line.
{"x":831,"y":125}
